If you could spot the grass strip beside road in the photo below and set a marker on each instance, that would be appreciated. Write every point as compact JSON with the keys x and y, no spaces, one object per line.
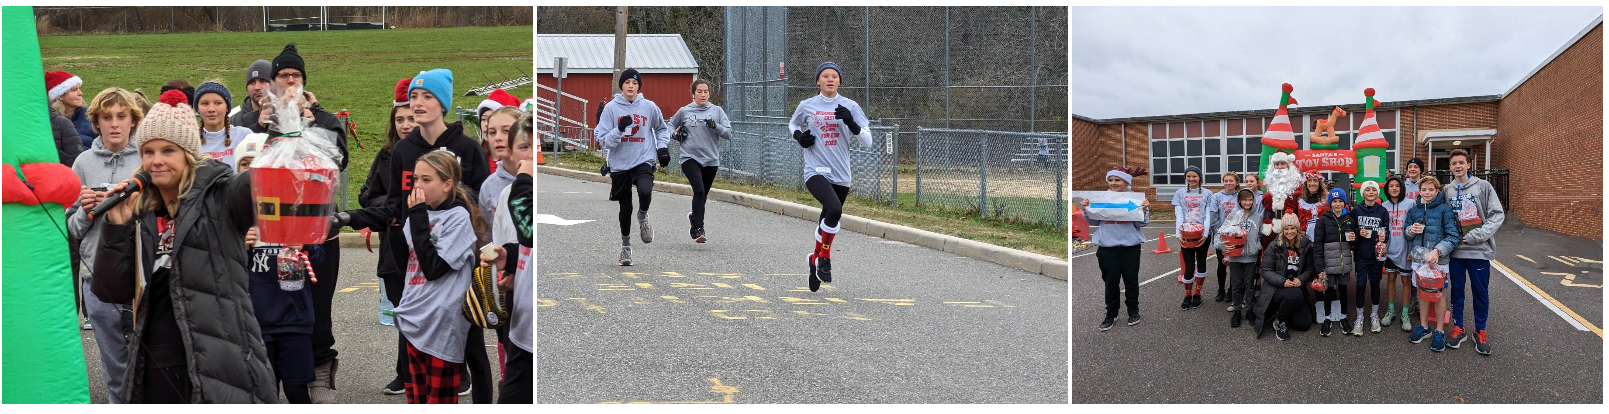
{"x":1046,"y":240}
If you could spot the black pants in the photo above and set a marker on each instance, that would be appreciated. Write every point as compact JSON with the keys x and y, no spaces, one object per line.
{"x":165,"y":379}
{"x":701,"y":178}
{"x":831,"y":196}
{"x":1368,"y":275}
{"x":1195,"y":260}
{"x":329,"y":276}
{"x":1242,"y":280}
{"x":393,"y":293}
{"x":516,"y":386}
{"x":480,"y":367}
{"x":1120,"y":264}
{"x":642,"y":177}
{"x":1288,"y":302}
{"x":1223,"y":270}
{"x":1335,"y":293}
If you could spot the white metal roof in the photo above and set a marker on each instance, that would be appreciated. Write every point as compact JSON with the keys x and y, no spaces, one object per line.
{"x":595,"y":53}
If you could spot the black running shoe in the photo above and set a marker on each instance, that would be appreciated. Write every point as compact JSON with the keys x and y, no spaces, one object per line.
{"x":396,"y":387}
{"x":698,"y":235}
{"x":815,"y":283}
{"x":824,"y":269}
{"x":1107,"y":323}
{"x":1195,"y":302}
{"x":1186,"y":304}
{"x":1221,"y":297}
{"x":1234,"y":319}
{"x":1134,"y":319}
{"x":1281,"y":332}
{"x":1324,"y":329}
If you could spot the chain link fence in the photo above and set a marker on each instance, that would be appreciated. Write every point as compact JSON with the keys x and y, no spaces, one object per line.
{"x":1012,"y":176}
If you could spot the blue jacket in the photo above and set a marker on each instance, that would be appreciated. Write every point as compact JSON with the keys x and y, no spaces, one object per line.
{"x":86,"y":132}
{"x":1441,"y":227}
{"x":277,"y":310}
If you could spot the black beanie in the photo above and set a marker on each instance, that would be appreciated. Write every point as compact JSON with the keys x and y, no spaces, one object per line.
{"x":289,"y":59}
{"x":629,"y":74}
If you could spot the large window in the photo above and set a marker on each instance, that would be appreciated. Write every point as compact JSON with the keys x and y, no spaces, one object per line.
{"x":1218,"y":146}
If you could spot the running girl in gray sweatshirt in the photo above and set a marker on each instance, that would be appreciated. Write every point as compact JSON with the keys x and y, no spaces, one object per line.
{"x":821,"y":125}
{"x":698,"y":127}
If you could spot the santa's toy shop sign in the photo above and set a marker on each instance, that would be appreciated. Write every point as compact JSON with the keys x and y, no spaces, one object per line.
{"x":1327,"y":160}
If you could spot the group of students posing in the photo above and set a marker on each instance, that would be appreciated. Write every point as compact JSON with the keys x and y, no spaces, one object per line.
{"x":634,"y":134}
{"x":1319,"y":243}
{"x":185,"y":300}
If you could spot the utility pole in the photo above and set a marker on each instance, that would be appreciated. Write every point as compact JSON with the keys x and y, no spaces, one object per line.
{"x":620,"y":45}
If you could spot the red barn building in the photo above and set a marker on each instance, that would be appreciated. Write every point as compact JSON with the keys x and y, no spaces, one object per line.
{"x":664,"y":61}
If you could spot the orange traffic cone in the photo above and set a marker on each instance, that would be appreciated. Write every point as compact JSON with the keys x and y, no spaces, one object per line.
{"x":539,"y":157}
{"x":1162,"y":244}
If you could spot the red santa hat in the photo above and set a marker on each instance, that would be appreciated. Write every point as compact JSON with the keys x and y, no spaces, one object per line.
{"x":402,"y":93}
{"x":497,"y":99}
{"x":59,"y":82}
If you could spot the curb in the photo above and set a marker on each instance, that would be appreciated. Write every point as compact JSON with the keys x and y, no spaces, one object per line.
{"x":1029,"y":262}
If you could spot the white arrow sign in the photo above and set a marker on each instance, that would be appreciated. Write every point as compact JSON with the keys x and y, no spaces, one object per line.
{"x":1113,"y":206}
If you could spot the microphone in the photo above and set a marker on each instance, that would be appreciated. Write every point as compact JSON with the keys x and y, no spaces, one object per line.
{"x":137,"y":183}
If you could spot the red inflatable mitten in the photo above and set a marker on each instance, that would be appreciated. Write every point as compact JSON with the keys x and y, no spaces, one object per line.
{"x":51,"y":183}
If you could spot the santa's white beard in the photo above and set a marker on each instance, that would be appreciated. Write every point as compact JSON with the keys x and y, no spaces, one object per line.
{"x":1281,"y":184}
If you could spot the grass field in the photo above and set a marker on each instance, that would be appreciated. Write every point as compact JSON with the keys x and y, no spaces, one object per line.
{"x":348,"y":70}
{"x":1046,"y":240}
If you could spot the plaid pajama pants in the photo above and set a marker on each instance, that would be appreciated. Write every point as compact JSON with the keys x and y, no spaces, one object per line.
{"x":435,"y":381}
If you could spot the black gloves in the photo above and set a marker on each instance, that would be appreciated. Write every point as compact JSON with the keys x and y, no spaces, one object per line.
{"x":842,"y":114}
{"x":710,"y":123}
{"x":338,"y":221}
{"x":680,"y":135}
{"x":805,"y":138}
{"x":604,"y":170}
{"x":664,"y":157}
{"x":624,"y":122}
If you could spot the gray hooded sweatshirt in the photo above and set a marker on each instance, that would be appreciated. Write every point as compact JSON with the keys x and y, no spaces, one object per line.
{"x":641,"y":141}
{"x":701,"y":139}
{"x":1477,"y":194}
{"x":98,"y":167}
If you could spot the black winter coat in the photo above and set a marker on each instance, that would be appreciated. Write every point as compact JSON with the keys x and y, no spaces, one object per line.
{"x":68,"y":143}
{"x":208,"y":288}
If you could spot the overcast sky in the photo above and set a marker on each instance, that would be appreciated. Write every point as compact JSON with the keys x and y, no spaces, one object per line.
{"x":1143,"y":61}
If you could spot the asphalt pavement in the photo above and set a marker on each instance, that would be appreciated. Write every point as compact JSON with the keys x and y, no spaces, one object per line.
{"x":731,"y":321}
{"x":1539,"y":355}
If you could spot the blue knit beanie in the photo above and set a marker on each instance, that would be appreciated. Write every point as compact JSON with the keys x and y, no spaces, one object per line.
{"x":214,"y":87}
{"x":438,"y":82}
{"x":1336,"y":194}
{"x":829,"y":65}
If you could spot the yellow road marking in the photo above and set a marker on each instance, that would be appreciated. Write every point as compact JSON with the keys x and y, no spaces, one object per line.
{"x":727,"y":392}
{"x":753,"y":286}
{"x":1569,"y":280}
{"x":1550,"y":299}
{"x":1586,"y":260}
{"x":350,"y":289}
{"x":1526,"y":258}
{"x":1561,"y":260}
{"x":672,"y":299}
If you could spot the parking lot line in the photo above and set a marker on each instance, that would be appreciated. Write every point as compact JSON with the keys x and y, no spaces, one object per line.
{"x":1548,"y":301}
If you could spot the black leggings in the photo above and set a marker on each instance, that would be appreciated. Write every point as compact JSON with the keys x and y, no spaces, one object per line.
{"x":480,"y":367}
{"x":1195,"y":260}
{"x":1223,"y":270}
{"x":831,"y":196}
{"x":1288,"y":303}
{"x":642,"y":176}
{"x":701,"y":178}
